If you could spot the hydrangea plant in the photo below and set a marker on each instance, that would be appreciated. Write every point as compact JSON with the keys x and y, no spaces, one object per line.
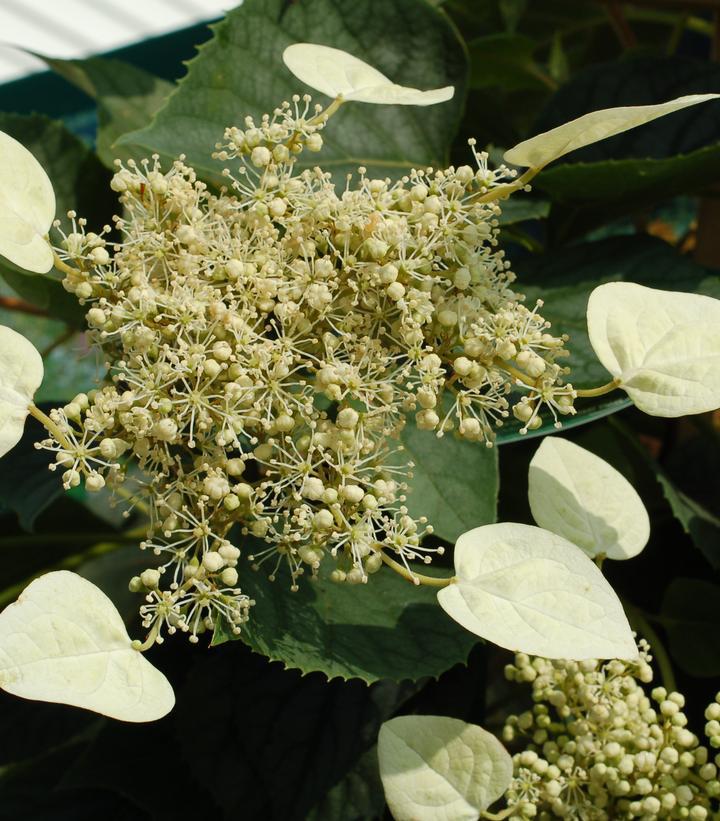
{"x":265,"y":344}
{"x":281,"y":343}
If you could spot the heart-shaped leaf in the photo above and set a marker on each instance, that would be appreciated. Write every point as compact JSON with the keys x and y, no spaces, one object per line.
{"x":663,"y":347}
{"x":532,"y":591}
{"x":64,"y":641}
{"x":21,"y":372}
{"x":579,"y":496}
{"x":434,"y":768}
{"x":27,"y":207}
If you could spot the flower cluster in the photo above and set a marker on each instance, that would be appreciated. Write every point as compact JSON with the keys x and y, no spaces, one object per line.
{"x":265,"y":345}
{"x":600,"y":747}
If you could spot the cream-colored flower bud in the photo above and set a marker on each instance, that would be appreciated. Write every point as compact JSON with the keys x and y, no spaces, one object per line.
{"x":229,"y":552}
{"x":211,"y":368}
{"x":150,"y":578}
{"x":212,"y":561}
{"x":312,"y":488}
{"x":348,"y":418}
{"x":427,"y":419}
{"x":229,"y":576}
{"x":388,"y":274}
{"x":165,"y":430}
{"x":94,"y":483}
{"x":352,"y":493}
{"x":99,"y":256}
{"x":323,"y":520}
{"x":462,"y":366}
{"x":96,"y":317}
{"x":260,"y":156}
{"x":395,"y":291}
{"x":222,"y":351}
{"x":314,"y":142}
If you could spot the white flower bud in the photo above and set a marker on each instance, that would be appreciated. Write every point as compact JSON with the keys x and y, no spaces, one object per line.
{"x":229,"y":576}
{"x":150,"y":578}
{"x":396,"y":291}
{"x":94,"y":482}
{"x":314,"y":142}
{"x":260,"y":156}
{"x":352,"y":493}
{"x":323,"y":520}
{"x":312,"y":488}
{"x":347,"y":418}
{"x":212,"y":561}
{"x":165,"y":430}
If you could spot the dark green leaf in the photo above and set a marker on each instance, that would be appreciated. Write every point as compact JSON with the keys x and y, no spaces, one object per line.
{"x":506,"y":61}
{"x":387,"y":628}
{"x":701,"y":525}
{"x":454,"y":484}
{"x":521,"y":209}
{"x":27,"y":486}
{"x":241,"y":72}
{"x":260,"y":721}
{"x":127,"y":98}
{"x":358,"y":797}
{"x":691,"y":616}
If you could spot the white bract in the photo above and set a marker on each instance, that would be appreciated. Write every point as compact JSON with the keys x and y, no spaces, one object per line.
{"x":543,"y":148}
{"x":27,"y":207}
{"x":663,"y":347}
{"x":339,"y":74}
{"x":532,"y":591}
{"x":434,"y":768}
{"x":21,"y":372}
{"x":579,"y":496}
{"x":64,"y":641}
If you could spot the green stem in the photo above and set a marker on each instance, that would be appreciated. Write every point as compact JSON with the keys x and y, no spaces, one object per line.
{"x":515,"y":373}
{"x":601,"y":391}
{"x":50,"y":426}
{"x":498,"y":816}
{"x":69,"y":270}
{"x":504,"y":191}
{"x":415,"y":578}
{"x":643,"y":627}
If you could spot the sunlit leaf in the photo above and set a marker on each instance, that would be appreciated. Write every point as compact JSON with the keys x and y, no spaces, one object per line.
{"x":336,"y":73}
{"x":532,"y":591}
{"x":579,"y":496}
{"x":662,"y":346}
{"x":543,"y":148}
{"x":27,"y":207}
{"x":21,"y":372}
{"x":435,"y":768}
{"x":64,"y":641}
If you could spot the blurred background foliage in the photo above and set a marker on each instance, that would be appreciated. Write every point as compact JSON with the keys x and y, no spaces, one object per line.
{"x":258,"y":729}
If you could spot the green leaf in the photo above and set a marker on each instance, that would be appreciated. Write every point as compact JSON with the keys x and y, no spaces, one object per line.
{"x":240,"y":72}
{"x":127,"y":98}
{"x":521,"y":209}
{"x":387,"y":628}
{"x":80,"y":182}
{"x":262,"y":722}
{"x":588,"y":194}
{"x":454,"y":484}
{"x":701,"y":525}
{"x":691,"y":617}
{"x":506,"y":61}
{"x":27,"y":487}
{"x":358,"y":797}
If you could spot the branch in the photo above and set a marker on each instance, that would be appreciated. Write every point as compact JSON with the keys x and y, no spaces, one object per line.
{"x":12,"y":303}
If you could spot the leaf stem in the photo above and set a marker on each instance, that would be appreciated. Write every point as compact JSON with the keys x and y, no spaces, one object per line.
{"x":63,"y":266}
{"x":415,"y":578}
{"x":499,"y":816}
{"x":601,"y":391}
{"x":50,"y":426}
{"x":12,"y":303}
{"x":514,"y":372}
{"x":503,"y":191}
